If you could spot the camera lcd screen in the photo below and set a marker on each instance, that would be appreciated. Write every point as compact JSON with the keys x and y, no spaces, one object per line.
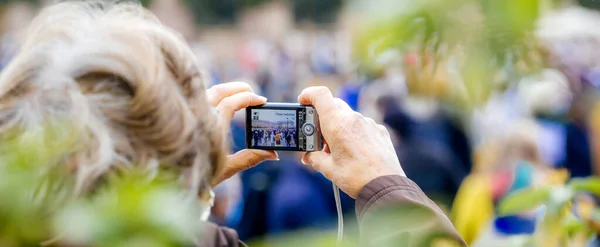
{"x":274,"y":128}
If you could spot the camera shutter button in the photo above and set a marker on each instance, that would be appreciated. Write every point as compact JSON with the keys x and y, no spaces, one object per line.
{"x":308,"y":129}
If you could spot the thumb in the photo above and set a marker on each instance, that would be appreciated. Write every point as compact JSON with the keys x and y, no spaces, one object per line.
{"x":320,"y":161}
{"x":243,"y":160}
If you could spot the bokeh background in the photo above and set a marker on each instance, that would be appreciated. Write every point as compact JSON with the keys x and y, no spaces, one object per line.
{"x":483,"y":97}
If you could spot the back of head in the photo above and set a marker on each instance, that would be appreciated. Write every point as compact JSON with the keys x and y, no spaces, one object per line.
{"x":126,"y":88}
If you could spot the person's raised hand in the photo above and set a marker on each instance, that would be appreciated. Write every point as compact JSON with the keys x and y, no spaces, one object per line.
{"x":357,"y":149}
{"x":228,"y":98}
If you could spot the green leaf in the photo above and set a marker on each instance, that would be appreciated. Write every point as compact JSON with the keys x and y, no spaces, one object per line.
{"x":559,"y":196}
{"x":590,"y":185}
{"x":523,"y":200}
{"x":596,"y":215}
{"x":512,"y":241}
{"x":571,"y":224}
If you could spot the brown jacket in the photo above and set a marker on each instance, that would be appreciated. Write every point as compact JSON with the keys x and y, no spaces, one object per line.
{"x":391,"y":211}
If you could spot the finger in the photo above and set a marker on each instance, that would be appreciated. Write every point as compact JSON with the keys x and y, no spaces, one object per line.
{"x":319,"y":97}
{"x":229,"y":105}
{"x":342,"y":105}
{"x":380,"y":127}
{"x":244,"y":160}
{"x":383,"y":129}
{"x":371,"y":121}
{"x":326,"y":147}
{"x":320,"y":161}
{"x":218,"y":92}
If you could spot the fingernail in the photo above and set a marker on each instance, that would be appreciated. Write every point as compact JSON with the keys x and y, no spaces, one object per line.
{"x":263,"y":98}
{"x":302,"y":160}
{"x":276,"y":156}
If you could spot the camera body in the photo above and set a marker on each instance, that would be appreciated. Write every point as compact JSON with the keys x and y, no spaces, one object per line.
{"x":283,"y":126}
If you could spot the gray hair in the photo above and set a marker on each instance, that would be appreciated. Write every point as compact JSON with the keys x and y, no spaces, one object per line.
{"x":127,"y":86}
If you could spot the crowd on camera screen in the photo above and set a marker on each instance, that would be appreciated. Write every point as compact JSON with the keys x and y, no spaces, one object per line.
{"x":273,"y":137}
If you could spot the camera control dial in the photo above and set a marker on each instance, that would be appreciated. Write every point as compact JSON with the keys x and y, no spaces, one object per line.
{"x":308,"y":129}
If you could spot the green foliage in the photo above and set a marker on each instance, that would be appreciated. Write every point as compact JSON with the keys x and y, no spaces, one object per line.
{"x":38,"y":201}
{"x":381,"y":228}
{"x":591,"y":185}
{"x":28,"y":190}
{"x":569,"y":219}
{"x":131,"y":211}
{"x":507,"y":23}
{"x":512,"y":241}
{"x":572,"y":225}
{"x":485,"y":43}
{"x":303,"y":238}
{"x":146,"y":3}
{"x":523,"y":200}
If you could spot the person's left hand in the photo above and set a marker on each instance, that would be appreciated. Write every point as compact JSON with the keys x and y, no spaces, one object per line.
{"x":228,"y":98}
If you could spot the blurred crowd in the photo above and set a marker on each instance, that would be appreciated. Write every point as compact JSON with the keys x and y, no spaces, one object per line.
{"x":543,"y":129}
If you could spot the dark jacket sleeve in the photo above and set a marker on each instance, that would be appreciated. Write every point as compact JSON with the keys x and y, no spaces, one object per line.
{"x":394,"y":211}
{"x":216,"y":236}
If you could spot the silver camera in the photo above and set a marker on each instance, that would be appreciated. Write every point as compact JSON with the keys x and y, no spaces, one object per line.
{"x":283,"y":126}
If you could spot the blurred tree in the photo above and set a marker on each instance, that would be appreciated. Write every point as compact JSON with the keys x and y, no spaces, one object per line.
{"x":146,"y":3}
{"x":592,"y":4}
{"x":225,"y":11}
{"x":460,"y":50}
{"x":10,"y":1}
{"x":213,"y":11}
{"x":316,"y":10}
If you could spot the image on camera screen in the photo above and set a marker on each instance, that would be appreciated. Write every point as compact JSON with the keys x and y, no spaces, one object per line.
{"x":274,"y":128}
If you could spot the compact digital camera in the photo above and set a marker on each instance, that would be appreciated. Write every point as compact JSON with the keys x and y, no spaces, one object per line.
{"x":283,"y":126}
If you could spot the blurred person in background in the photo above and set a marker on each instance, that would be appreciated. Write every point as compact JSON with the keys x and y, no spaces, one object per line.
{"x":504,"y":163}
{"x":527,"y":143}
{"x":351,"y":90}
{"x":280,"y":67}
{"x":301,"y":199}
{"x":227,"y":199}
{"x":427,"y":137}
{"x":546,"y":98}
{"x":574,"y":52}
{"x":429,"y":154}
{"x":385,"y":81}
{"x":322,"y":56}
{"x":578,"y":144}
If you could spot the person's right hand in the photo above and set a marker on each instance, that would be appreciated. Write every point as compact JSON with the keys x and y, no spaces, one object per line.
{"x":357,"y":149}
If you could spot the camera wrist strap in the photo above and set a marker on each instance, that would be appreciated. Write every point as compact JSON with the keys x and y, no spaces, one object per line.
{"x":338,"y":205}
